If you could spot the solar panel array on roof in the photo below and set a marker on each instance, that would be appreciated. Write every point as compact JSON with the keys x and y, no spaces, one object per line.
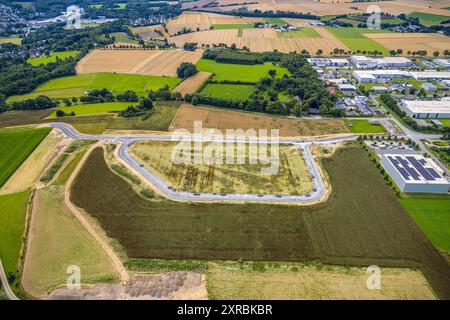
{"x":413,"y":169}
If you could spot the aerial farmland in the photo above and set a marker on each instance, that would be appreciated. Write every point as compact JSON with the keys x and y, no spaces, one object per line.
{"x":225,"y":150}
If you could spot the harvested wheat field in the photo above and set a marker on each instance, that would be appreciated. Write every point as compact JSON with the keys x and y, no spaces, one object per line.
{"x":222,"y":119}
{"x":190,"y":85}
{"x":327,"y":7}
{"x":412,"y":41}
{"x":261,"y":40}
{"x":144,"y":62}
{"x":294,"y":281}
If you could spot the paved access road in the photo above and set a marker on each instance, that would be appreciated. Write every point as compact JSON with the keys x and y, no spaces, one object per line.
{"x":316,"y":194}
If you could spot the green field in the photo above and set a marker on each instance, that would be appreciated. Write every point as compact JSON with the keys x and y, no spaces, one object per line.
{"x":302,"y":33}
{"x":433,"y":217}
{"x":445,"y":122}
{"x":362,"y":223}
{"x":15,"y":147}
{"x":228,"y":91}
{"x":52,"y":57}
{"x":123,"y":37}
{"x":355,"y":40}
{"x":275,"y":21}
{"x":428,"y":19}
{"x":232,"y":26}
{"x":94,"y":108}
{"x":13,"y":40}
{"x":76,"y":86}
{"x":13,"y":208}
{"x":239,"y":72}
{"x":363,"y":126}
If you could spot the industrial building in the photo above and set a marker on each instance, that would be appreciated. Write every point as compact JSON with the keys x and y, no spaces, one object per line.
{"x":415,"y":173}
{"x":347,"y":89}
{"x":426,"y":109}
{"x":379,"y":76}
{"x":429,"y":87}
{"x":363,"y":62}
{"x":328,"y":62}
{"x":442,"y":62}
{"x":431,"y":75}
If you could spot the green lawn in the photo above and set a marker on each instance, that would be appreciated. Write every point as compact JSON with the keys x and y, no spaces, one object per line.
{"x":355,"y":40}
{"x":433,"y":217}
{"x":96,"y":6}
{"x":13,"y":208}
{"x":363,"y":126}
{"x":428,"y":18}
{"x":232,"y":26}
{"x":15,"y":147}
{"x":94,"y":108}
{"x":76,"y":86}
{"x":228,"y":91}
{"x":302,"y":33}
{"x":14,"y":40}
{"x":239,"y":72}
{"x":52,"y":57}
{"x":275,"y":21}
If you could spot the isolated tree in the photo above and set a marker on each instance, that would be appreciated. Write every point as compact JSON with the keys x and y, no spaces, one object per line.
{"x":436,"y":54}
{"x":399,"y":51}
{"x":319,"y":52}
{"x":272,"y":73}
{"x":186,"y":70}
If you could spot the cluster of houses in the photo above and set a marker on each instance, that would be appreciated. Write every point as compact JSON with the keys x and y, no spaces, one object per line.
{"x":283,"y":28}
{"x":348,"y":74}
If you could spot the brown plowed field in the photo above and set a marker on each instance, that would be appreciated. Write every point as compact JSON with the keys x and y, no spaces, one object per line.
{"x":145,"y":62}
{"x":260,"y":40}
{"x":412,"y":41}
{"x":190,"y":85}
{"x":222,"y":119}
{"x":148,"y":33}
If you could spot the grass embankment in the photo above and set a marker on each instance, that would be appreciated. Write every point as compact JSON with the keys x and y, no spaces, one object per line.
{"x":355,"y":40}
{"x":362,"y":223}
{"x":53,"y":57}
{"x":15,"y":146}
{"x":13,"y":209}
{"x":228,"y":91}
{"x":428,"y":19}
{"x":239,"y":72}
{"x":76,"y":86}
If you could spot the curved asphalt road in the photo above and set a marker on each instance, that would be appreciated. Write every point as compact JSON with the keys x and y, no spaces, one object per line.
{"x":4,"y":280}
{"x":316,"y":194}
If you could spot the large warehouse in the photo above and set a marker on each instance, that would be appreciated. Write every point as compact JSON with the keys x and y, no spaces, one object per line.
{"x":414,"y":173}
{"x":427,"y":109}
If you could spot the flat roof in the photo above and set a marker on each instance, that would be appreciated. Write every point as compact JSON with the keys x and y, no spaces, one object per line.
{"x":416,"y":169}
{"x":427,"y":106}
{"x":431,"y":74}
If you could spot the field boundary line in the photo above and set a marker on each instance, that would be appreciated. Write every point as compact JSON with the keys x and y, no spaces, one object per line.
{"x":120,"y":269}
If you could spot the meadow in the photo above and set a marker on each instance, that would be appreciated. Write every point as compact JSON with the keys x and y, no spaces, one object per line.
{"x":428,"y":19}
{"x":13,"y":40}
{"x":94,"y":108}
{"x":123,"y":38}
{"x":363,"y":126}
{"x":15,"y":147}
{"x":355,"y":40}
{"x":13,"y":209}
{"x":239,"y":72}
{"x":275,"y":21}
{"x":76,"y":86}
{"x":362,"y":223}
{"x":432,"y":215}
{"x":57,"y":241}
{"x":228,"y":91}
{"x":52,"y":57}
